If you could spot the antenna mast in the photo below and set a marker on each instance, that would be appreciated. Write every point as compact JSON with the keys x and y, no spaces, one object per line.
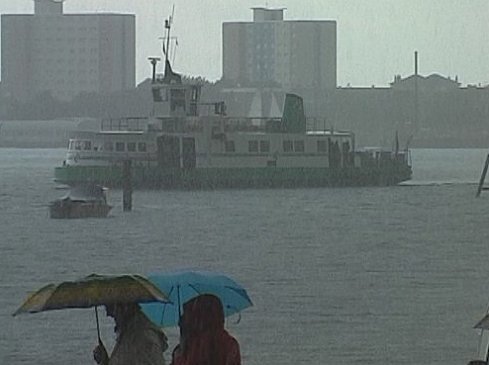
{"x":168,"y":24}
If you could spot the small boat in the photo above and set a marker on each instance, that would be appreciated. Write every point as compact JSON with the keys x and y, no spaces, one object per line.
{"x":84,"y":201}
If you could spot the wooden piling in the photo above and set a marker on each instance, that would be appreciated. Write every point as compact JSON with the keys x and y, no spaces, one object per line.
{"x":483,"y":177}
{"x":127,"y":186}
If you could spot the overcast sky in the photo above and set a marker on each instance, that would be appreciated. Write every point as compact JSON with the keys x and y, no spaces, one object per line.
{"x":376,"y":38}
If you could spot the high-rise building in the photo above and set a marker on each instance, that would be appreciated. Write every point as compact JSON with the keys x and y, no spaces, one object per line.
{"x":270,"y":50}
{"x":66,"y":54}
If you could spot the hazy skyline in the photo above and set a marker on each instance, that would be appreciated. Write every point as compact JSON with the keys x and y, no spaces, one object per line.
{"x":376,"y":39}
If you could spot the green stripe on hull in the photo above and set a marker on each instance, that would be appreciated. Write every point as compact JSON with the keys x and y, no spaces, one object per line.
{"x":212,"y":178}
{"x":72,"y":175}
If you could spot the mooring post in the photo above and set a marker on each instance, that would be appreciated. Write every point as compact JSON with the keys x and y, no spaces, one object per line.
{"x":483,"y":177}
{"x":126,"y":186}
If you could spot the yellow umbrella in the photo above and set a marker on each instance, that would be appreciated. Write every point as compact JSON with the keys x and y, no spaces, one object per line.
{"x":92,"y":291}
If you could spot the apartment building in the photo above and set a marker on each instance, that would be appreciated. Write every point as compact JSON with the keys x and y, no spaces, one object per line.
{"x":289,"y":53}
{"x":66,"y":54}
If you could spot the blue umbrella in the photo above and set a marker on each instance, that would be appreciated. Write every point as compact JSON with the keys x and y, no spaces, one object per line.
{"x":182,"y":286}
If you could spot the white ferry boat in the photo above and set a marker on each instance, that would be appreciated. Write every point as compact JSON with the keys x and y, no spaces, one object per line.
{"x":188,"y":144}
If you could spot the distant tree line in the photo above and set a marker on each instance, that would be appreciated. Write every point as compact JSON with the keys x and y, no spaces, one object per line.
{"x":135,"y":102}
{"x":455,"y":118}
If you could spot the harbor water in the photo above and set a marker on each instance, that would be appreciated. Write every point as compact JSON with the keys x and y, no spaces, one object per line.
{"x":384,"y":275}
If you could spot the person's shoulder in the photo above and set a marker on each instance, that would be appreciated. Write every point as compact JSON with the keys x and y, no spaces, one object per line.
{"x":152,"y":333}
{"x":176,"y":351}
{"x":229,"y":339}
{"x":143,"y":322}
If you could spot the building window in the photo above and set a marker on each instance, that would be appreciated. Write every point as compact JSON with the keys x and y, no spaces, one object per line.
{"x":288,"y":146}
{"x":108,"y":146}
{"x":229,"y":146}
{"x":252,"y":146}
{"x":299,"y":146}
{"x":131,"y":146}
{"x":322,"y":146}
{"x":119,"y":146}
{"x":264,"y":146}
{"x":142,"y":146}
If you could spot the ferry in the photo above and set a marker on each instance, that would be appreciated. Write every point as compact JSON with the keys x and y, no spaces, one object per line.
{"x":188,"y":149}
{"x":187,"y":144}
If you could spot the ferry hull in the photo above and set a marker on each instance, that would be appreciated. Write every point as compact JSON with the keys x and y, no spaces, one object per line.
{"x":214,"y":178}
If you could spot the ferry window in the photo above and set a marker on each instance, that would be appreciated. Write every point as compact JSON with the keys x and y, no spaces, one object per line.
{"x":77,"y":145}
{"x":252,"y":146}
{"x":264,"y":146}
{"x":131,"y":146}
{"x":288,"y":146}
{"x":160,"y":94}
{"x":195,"y":94}
{"x":142,"y":146}
{"x":87,"y":145}
{"x":119,"y":146}
{"x":229,"y":146}
{"x":299,"y":146}
{"x":70,"y":145}
{"x":108,"y":146}
{"x":322,"y":146}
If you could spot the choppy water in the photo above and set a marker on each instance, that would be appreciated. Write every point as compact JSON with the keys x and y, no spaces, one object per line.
{"x":338,"y":276}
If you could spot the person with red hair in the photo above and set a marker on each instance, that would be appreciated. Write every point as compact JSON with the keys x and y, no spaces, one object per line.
{"x":203,"y":339}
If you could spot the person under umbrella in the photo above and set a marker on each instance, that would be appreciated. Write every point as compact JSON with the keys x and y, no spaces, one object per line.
{"x":203,"y":339}
{"x":139,"y":341}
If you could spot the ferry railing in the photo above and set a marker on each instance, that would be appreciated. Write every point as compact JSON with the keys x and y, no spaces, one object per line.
{"x":124,"y":124}
{"x":318,"y":124}
{"x":223,"y":123}
{"x":379,"y":156}
{"x":235,"y":123}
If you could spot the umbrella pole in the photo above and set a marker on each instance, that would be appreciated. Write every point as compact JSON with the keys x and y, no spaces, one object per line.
{"x":179,"y":311}
{"x":178,"y":299}
{"x":98,"y":326}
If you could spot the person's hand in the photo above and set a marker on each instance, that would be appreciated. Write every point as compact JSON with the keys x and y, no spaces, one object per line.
{"x":100,"y":354}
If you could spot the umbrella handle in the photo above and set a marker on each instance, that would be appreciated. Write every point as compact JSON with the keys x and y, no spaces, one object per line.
{"x":98,"y":326}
